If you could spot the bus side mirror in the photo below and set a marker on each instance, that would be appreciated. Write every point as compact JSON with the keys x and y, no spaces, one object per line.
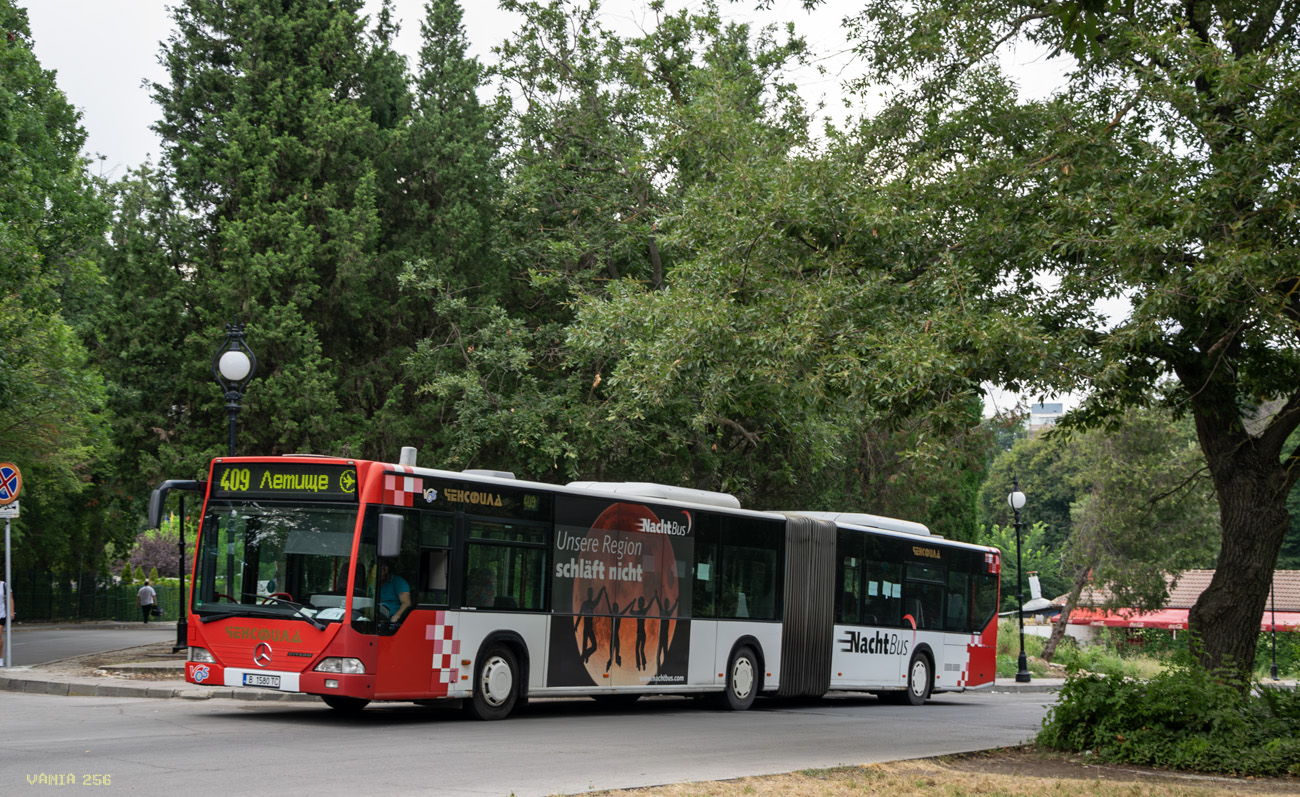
{"x":390,"y":535}
{"x":158,"y":499}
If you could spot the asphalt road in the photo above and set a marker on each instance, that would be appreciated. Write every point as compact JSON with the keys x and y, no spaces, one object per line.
{"x":224,"y":747}
{"x":41,"y":644}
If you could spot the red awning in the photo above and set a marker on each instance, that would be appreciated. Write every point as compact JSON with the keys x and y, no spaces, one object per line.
{"x":1168,"y":619}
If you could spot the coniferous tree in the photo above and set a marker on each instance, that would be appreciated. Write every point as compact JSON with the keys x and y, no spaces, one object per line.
{"x":272,"y":120}
{"x":445,"y":210}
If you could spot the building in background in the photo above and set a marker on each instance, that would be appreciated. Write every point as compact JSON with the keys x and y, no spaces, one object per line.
{"x":1044,"y":416}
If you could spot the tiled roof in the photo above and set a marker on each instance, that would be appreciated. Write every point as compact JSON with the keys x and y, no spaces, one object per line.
{"x":1190,"y":584}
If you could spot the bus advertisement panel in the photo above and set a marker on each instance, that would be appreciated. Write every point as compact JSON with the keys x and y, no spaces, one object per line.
{"x":620,"y":593}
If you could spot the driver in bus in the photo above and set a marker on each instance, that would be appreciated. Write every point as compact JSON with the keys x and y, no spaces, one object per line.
{"x":394,"y":593}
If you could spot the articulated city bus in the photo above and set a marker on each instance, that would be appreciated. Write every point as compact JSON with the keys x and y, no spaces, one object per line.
{"x":362,"y":581}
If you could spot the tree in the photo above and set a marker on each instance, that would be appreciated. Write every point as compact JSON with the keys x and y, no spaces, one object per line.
{"x":1121,"y":508}
{"x":51,"y":394}
{"x":267,"y":144}
{"x":1161,"y":173}
{"x":1034,"y":557}
{"x":603,"y":154}
{"x":444,"y":215}
{"x":1046,"y":474}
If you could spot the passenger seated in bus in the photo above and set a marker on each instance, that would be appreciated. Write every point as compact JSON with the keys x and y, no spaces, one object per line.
{"x":394,"y":594}
{"x":481,"y":591}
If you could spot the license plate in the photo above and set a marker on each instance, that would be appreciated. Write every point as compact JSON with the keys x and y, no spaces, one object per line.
{"x":253,"y":679}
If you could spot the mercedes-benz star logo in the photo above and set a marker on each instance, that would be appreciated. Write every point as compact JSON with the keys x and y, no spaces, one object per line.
{"x":262,"y":654}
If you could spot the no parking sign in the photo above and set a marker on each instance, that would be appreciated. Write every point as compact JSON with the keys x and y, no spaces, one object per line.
{"x":11,"y":481}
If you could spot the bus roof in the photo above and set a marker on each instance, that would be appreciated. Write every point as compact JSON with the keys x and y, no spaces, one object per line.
{"x":661,"y":492}
{"x":869,"y":521}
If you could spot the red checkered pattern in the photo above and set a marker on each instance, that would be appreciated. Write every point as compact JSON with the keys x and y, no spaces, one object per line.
{"x":962,"y":679}
{"x":400,"y":490}
{"x":445,"y":650}
{"x":994,"y":563}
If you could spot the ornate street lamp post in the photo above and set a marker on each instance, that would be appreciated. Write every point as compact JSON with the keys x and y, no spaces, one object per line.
{"x":233,"y":365}
{"x":1017,"y":501}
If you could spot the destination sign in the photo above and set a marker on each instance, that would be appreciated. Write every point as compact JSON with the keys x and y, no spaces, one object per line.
{"x":285,"y":480}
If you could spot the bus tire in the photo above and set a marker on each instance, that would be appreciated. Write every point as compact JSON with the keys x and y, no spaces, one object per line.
{"x":920,"y":680}
{"x":496,"y":684}
{"x":742,"y":680}
{"x":345,"y":705}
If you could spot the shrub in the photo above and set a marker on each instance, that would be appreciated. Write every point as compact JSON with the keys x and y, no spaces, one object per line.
{"x":1288,"y":654}
{"x":1183,"y":718}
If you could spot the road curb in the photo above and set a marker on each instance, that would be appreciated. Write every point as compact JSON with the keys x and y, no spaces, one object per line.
{"x":88,"y":687}
{"x":1046,"y":686}
{"x":32,"y":682}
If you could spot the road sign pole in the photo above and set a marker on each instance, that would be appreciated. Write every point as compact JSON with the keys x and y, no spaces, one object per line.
{"x":9,"y":592}
{"x":11,"y":484}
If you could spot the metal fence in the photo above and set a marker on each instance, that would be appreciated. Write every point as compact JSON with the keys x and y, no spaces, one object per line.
{"x":38,"y":598}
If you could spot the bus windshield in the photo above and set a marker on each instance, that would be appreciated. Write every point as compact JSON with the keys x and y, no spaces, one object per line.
{"x":275,"y":559}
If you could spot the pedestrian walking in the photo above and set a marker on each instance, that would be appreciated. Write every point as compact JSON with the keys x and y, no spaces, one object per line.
{"x":146,"y":598}
{"x":6,"y":614}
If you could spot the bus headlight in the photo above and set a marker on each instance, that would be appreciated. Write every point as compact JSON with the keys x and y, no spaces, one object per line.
{"x":348,"y":666}
{"x":200,"y":654}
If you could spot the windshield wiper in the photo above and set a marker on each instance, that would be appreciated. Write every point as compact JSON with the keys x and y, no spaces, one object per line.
{"x":297,"y":609}
{"x":245,"y":609}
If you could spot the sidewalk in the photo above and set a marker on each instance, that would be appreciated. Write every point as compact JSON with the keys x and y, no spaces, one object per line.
{"x":172,"y":684}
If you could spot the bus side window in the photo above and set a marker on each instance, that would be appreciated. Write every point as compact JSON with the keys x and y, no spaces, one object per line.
{"x":435,"y":558}
{"x":985,"y":593}
{"x":751,"y":557}
{"x":433,"y":576}
{"x":506,"y":565}
{"x":849,"y":577}
{"x":705,"y":591}
{"x":923,"y":593}
{"x":957,"y":616}
{"x":882,"y":581}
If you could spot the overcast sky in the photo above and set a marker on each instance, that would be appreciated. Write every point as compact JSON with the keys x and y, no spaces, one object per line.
{"x":105,"y":52}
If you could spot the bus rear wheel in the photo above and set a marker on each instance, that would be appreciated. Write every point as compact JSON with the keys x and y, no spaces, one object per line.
{"x":742,"y":680}
{"x":345,"y":705}
{"x":496,"y":685}
{"x":919,"y":681}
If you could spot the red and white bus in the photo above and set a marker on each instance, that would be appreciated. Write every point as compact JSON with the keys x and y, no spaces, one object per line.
{"x":364,"y":581}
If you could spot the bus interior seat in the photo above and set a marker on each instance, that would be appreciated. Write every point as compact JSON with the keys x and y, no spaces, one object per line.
{"x":505,"y":602}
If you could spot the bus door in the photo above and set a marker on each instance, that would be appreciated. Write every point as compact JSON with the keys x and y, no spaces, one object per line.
{"x":886,"y":639}
{"x":923,"y":593}
{"x":953,"y":670}
{"x":410,"y":592}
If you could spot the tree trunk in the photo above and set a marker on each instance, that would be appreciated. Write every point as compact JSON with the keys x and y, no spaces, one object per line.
{"x":1251,"y":486}
{"x":1058,"y":628}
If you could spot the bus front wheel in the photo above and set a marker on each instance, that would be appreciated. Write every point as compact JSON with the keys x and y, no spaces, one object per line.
{"x":496,"y":685}
{"x":345,"y":705}
{"x":742,"y":680}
